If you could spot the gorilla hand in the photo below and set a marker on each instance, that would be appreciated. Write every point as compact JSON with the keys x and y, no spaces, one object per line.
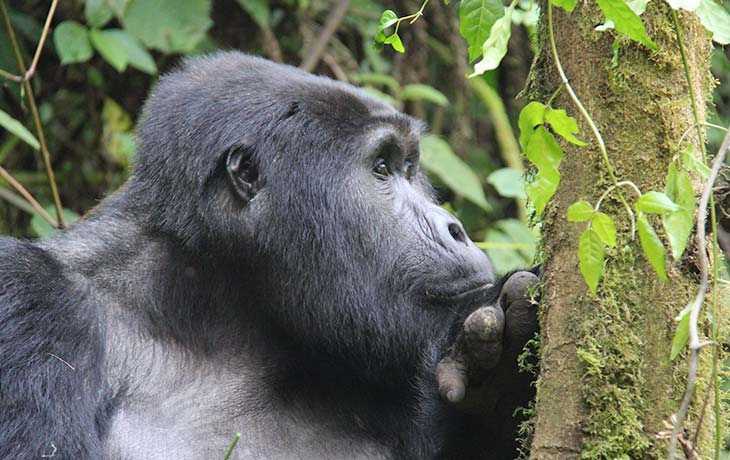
{"x":483,"y":359}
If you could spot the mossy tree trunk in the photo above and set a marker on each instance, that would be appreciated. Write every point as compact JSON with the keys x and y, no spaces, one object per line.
{"x":606,"y":388}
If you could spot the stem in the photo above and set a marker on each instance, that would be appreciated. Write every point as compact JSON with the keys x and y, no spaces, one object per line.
{"x":28,"y":197}
{"x":233,"y":446}
{"x":614,"y":187}
{"x":586,"y":115}
{"x":701,"y":243}
{"x":36,"y":117}
{"x":41,"y":42}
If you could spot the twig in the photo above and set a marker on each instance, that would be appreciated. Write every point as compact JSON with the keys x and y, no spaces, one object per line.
{"x":314,"y":52}
{"x":44,"y":34}
{"x":271,"y":45}
{"x":36,"y":117}
{"x":16,"y":200}
{"x":232,"y":446}
{"x":695,"y":345}
{"x":28,"y":197}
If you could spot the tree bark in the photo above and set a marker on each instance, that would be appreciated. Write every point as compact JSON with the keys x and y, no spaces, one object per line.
{"x":606,"y":387}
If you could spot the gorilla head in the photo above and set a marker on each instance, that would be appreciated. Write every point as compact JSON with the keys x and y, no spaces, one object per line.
{"x":312,"y":190}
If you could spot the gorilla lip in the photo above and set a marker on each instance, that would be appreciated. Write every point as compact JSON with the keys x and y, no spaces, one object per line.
{"x":469,"y":291}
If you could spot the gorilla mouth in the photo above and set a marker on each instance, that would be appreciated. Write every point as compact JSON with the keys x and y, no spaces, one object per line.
{"x":460,"y":292}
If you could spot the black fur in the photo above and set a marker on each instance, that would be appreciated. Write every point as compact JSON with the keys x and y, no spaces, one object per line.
{"x":254,"y":275}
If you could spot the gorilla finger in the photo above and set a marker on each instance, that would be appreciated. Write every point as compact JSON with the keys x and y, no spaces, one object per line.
{"x":452,"y":379}
{"x":517,"y":287}
{"x":521,"y":323}
{"x":483,"y":333}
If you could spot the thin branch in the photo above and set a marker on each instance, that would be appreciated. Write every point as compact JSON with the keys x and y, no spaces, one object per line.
{"x":314,"y":52}
{"x":271,"y":45}
{"x":16,"y":200}
{"x":44,"y":34}
{"x":36,"y":117}
{"x":695,"y":345}
{"x":28,"y":197}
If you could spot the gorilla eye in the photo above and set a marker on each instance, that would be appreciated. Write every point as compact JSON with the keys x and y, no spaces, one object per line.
{"x":380,"y":168}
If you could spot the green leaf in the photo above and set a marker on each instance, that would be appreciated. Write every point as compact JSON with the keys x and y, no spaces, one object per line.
{"x":387,"y":19}
{"x":510,"y":245}
{"x":111,"y":48}
{"x":508,"y":182}
{"x":16,"y":128}
{"x":681,"y":335}
{"x":171,"y":26}
{"x":531,"y":116}
{"x":716,"y":20}
{"x":691,"y":163}
{"x":438,"y":158}
{"x":652,"y":246}
{"x":42,"y":228}
{"x":563,"y":125}
{"x":605,"y":228}
{"x":258,"y":10}
{"x":580,"y":211}
{"x":626,"y":21}
{"x":476,"y":18}
{"x":545,"y":153}
{"x":138,"y":56}
{"x":655,"y":203}
{"x":591,"y":254}
{"x":377,"y":94}
{"x":689,"y":5}
{"x":378,"y":79}
{"x":97,"y":12}
{"x":72,"y":42}
{"x":567,"y":5}
{"x":395,"y":41}
{"x":417,"y":92}
{"x":119,"y":7}
{"x":637,"y":6}
{"x":495,"y":47}
{"x":678,"y":225}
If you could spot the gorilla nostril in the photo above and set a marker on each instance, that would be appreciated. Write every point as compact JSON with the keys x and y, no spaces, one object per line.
{"x":456,"y":232}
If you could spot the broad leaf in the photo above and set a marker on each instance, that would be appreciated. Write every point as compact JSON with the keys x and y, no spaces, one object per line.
{"x":567,"y":5}
{"x":15,"y":127}
{"x":377,"y":94}
{"x":591,"y":254}
{"x":42,"y":228}
{"x":170,"y":26}
{"x":716,"y":20}
{"x":626,"y":21}
{"x":378,"y":79}
{"x":138,"y":56}
{"x":72,"y":42}
{"x":416,"y":92}
{"x":637,"y":6}
{"x":387,"y":19}
{"x":563,"y":125}
{"x":508,"y":182}
{"x":476,"y":18}
{"x":678,"y":225}
{"x":681,"y":335}
{"x":258,"y":10}
{"x":531,"y":116}
{"x":111,"y":48}
{"x":510,"y":245}
{"x":438,"y":158}
{"x":495,"y":47}
{"x":605,"y":228}
{"x":97,"y":12}
{"x":652,"y":246}
{"x":655,"y":203}
{"x":395,"y":41}
{"x":690,"y":162}
{"x":580,"y":211}
{"x":545,"y":153}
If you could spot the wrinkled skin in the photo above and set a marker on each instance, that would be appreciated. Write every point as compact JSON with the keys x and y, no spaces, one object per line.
{"x":275,"y":266}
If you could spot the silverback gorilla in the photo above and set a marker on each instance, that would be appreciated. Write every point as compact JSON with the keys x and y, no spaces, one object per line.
{"x":275,"y":266}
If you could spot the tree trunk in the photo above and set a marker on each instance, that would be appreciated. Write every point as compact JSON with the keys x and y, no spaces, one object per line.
{"x":606,"y":387}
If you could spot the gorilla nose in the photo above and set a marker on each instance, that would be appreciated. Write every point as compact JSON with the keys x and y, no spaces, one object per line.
{"x":447,"y":229}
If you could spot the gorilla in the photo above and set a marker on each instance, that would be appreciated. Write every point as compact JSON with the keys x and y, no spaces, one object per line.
{"x":276,"y":266}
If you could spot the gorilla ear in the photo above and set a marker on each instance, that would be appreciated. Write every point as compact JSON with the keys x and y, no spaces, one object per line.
{"x":243,"y":173}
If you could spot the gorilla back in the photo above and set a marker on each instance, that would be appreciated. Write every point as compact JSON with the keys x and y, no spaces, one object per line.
{"x":275,"y":266}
